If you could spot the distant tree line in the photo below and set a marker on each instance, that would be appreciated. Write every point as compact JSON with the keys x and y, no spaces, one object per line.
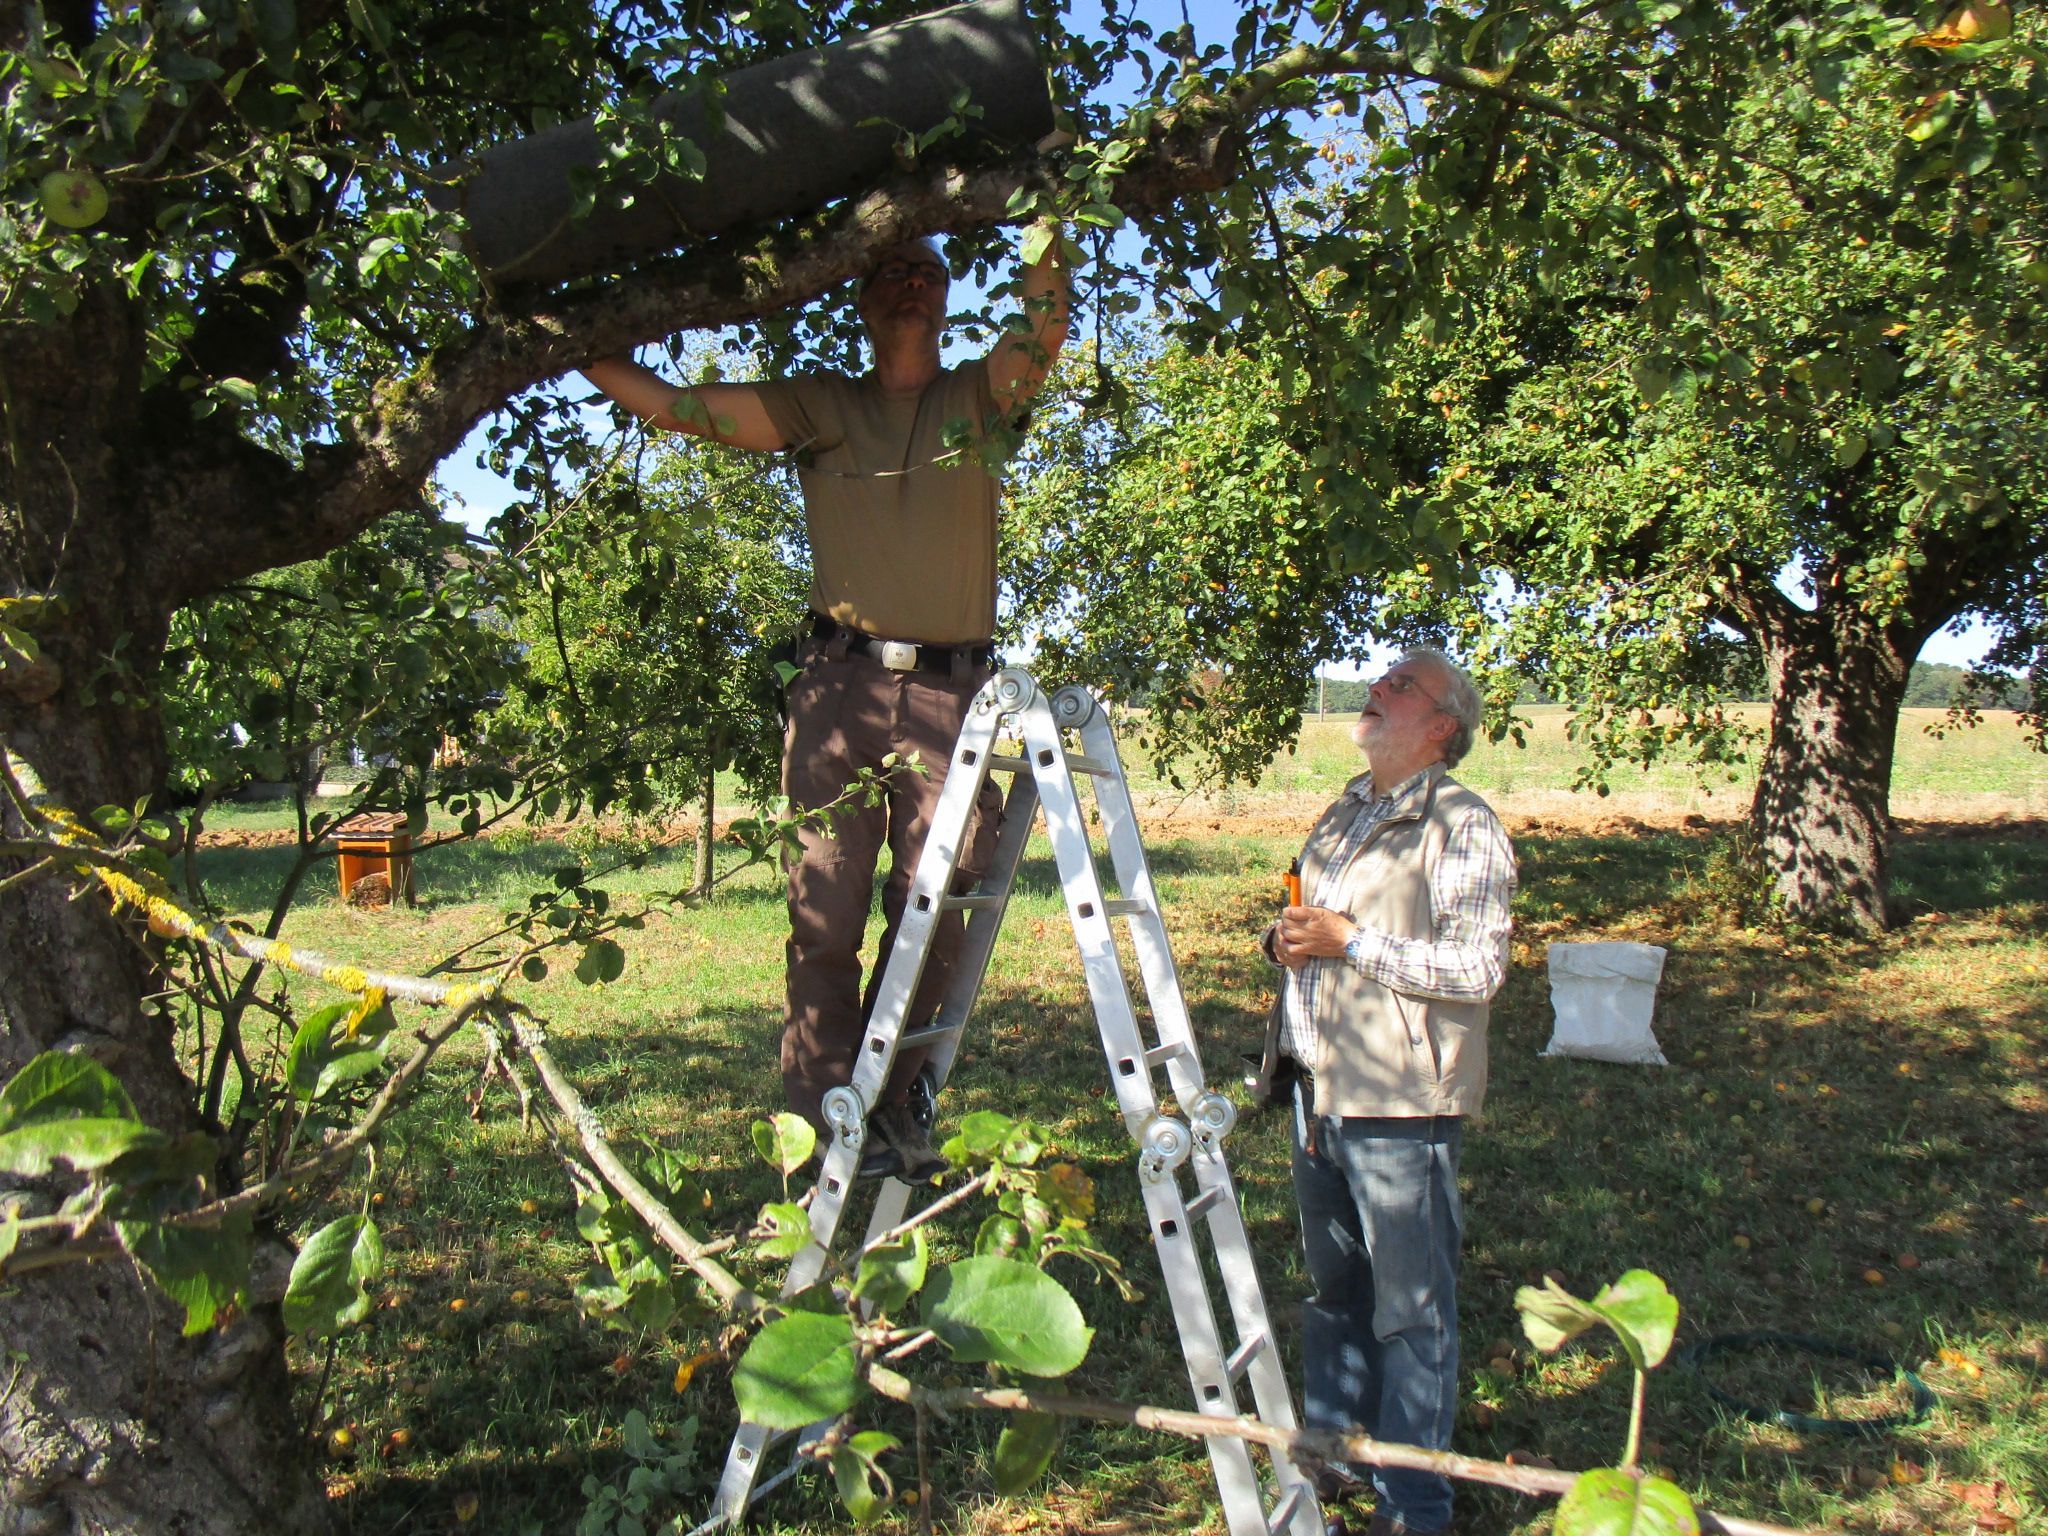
{"x":1931,"y":685}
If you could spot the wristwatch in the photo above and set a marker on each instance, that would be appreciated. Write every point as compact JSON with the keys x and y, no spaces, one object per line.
{"x":1354,"y":950}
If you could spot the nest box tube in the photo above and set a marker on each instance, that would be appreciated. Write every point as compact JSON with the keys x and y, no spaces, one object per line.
{"x":796,"y":133}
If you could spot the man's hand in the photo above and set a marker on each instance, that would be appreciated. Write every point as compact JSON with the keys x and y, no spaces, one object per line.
{"x":1023,"y":357}
{"x":1310,"y":933}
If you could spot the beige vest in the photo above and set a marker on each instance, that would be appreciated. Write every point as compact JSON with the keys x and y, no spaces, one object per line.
{"x":902,"y":525}
{"x":1379,"y":1052}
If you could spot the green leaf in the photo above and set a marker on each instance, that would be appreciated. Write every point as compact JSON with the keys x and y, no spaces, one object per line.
{"x":1025,"y":1450}
{"x":321,"y":1059}
{"x":329,"y":1283}
{"x":309,"y":1051}
{"x":59,"y":1086}
{"x":1002,"y":1236}
{"x":1638,"y":1307}
{"x":638,"y":1437}
{"x":201,"y":1268}
{"x":10,"y":1237}
{"x":1007,"y":1313}
{"x":64,"y":1108}
{"x":873,"y":1442}
{"x":602,"y":961}
{"x":1610,"y":1502}
{"x":1643,"y":1312}
{"x":785,"y":1143}
{"x":83,"y":1144}
{"x":891,"y":1273}
{"x":799,"y":1369}
{"x":1553,"y":1316}
{"x":161,"y":1174}
{"x":853,"y":1476}
{"x":791,"y":1226}
{"x":1850,"y":446}
{"x":980,"y":1139}
{"x":1650,"y":380}
{"x":855,"y":1470}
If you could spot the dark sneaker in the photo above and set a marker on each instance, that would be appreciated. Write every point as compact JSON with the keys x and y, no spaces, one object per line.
{"x":898,"y":1148}
{"x":1335,"y":1482}
{"x":923,"y":1100}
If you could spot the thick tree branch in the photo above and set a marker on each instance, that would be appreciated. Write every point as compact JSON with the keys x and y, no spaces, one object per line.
{"x":286,"y":515}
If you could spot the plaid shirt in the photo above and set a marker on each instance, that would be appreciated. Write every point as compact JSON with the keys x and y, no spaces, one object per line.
{"x":1470,"y":889}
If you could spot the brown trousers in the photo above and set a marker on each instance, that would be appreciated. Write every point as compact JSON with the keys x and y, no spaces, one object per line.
{"x":845,"y":714}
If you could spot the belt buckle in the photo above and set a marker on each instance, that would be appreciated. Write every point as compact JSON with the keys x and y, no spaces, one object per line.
{"x":899,"y":655}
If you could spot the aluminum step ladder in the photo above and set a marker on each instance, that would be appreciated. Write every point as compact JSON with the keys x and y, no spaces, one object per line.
{"x":1182,"y":1174}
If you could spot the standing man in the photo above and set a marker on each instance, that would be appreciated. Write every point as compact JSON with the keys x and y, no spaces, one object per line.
{"x":1402,"y":940}
{"x":901,"y":515}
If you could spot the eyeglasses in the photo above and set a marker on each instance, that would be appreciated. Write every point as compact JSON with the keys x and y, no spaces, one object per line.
{"x":900,"y":271}
{"x":1403,"y":683}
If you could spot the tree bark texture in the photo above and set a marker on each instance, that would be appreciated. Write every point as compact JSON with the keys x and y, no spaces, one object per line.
{"x":1822,"y":813}
{"x":110,"y":1420}
{"x":707,"y":837}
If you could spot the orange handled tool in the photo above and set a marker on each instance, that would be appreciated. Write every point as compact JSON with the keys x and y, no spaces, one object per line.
{"x":1294,"y":883}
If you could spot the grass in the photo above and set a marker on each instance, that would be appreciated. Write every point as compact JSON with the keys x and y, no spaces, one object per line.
{"x":1989,"y":766}
{"x":1992,"y":760}
{"x":1848,"y":1143}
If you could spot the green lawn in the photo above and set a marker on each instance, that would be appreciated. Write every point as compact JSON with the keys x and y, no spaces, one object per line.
{"x":1991,"y":760}
{"x":1848,"y":1143}
{"x":1989,"y":769}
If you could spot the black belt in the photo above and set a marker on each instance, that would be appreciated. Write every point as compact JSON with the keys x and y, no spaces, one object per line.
{"x":904,"y":655}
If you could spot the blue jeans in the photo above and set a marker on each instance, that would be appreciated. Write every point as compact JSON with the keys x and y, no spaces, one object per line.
{"x":1380,"y":1227}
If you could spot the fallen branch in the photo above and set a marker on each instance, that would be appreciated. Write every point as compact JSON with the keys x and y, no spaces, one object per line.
{"x":1299,"y":1445}
{"x":742,"y":1303}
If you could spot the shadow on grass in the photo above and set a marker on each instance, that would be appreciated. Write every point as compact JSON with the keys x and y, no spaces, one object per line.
{"x":1971,"y":868}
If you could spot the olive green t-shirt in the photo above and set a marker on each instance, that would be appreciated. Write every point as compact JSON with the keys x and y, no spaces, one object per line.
{"x":902,"y":528}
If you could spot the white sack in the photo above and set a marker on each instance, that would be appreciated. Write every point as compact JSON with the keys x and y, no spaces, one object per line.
{"x":1604,"y":995}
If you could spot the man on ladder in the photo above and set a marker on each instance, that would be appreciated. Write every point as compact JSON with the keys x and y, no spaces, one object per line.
{"x":902,"y":523}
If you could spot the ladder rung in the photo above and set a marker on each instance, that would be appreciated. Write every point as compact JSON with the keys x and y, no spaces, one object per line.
{"x":1002,"y":762}
{"x":1242,"y":1356}
{"x":769,"y":1484}
{"x":1201,"y":1203}
{"x":1076,"y":763}
{"x":1127,"y":909}
{"x":1283,"y":1512}
{"x":973,"y":901}
{"x":911,"y":1037}
{"x":1164,"y":1053}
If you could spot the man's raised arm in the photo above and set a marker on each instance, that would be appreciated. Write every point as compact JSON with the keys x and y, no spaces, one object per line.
{"x":1022,"y":358}
{"x":725,"y":413}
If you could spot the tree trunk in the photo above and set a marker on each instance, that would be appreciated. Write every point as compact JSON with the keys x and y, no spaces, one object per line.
{"x":705,"y":844}
{"x":1822,"y":809}
{"x":110,"y":1420}
{"x":113,"y":1421}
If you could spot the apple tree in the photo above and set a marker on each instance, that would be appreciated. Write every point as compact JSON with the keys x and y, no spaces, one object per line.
{"x":234,"y":335}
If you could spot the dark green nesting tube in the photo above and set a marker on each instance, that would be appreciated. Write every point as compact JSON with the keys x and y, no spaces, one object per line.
{"x":792,"y":141}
